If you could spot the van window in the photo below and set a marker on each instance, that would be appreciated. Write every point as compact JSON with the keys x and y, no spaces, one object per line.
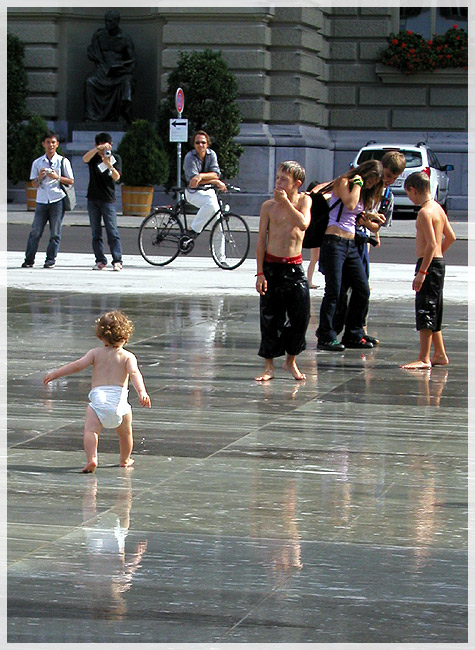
{"x":413,"y":158}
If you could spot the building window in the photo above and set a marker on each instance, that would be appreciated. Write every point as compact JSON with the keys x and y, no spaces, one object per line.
{"x":428,"y":21}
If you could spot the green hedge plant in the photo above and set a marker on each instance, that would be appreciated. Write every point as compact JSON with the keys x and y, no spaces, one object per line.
{"x":28,"y":146}
{"x":17,"y":82}
{"x":144,"y":161}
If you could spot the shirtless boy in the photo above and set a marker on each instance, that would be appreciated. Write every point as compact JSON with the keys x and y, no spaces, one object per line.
{"x":281,"y":280}
{"x":112,"y":367}
{"x":434,"y":235}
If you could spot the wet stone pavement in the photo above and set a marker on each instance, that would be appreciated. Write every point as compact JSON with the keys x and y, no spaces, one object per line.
{"x":331,"y":510}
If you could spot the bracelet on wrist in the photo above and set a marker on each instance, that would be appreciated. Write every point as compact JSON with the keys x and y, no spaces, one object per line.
{"x":423,"y":272}
{"x":258,"y":274}
{"x":358,"y":181}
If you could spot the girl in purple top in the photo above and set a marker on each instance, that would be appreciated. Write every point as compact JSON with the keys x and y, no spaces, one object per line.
{"x":358,"y":191}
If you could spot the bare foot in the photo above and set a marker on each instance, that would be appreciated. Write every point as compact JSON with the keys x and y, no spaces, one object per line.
{"x":440,"y":360}
{"x":90,"y":467}
{"x":417,"y":365}
{"x":128,"y":463}
{"x":294,"y":371}
{"x":267,"y":375}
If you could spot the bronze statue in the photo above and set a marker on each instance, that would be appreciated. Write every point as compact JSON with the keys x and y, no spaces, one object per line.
{"x":108,"y":92}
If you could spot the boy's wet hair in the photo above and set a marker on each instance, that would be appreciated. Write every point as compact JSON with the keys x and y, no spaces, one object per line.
{"x":114,"y":327}
{"x":395,"y":161}
{"x":419,"y":181}
{"x":293,"y":168}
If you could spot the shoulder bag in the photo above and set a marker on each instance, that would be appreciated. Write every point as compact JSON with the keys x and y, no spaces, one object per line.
{"x":70,"y":199}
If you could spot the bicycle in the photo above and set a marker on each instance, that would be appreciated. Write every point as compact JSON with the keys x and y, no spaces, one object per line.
{"x":163,"y":234}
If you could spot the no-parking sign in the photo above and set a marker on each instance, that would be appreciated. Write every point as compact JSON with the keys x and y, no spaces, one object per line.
{"x":179,"y":101}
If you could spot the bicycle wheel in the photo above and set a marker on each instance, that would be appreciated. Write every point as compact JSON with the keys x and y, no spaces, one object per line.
{"x":229,"y":241}
{"x":159,"y":236}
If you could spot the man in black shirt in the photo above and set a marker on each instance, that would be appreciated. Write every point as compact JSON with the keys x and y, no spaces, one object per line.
{"x":104,"y":173}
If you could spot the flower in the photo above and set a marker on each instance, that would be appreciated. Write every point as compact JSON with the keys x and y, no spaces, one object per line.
{"x":409,"y":52}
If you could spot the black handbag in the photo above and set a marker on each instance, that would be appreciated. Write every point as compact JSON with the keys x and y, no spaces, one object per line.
{"x":319,"y":216}
{"x":69,"y":200}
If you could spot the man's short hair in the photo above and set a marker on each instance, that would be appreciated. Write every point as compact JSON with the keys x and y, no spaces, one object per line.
{"x":293,"y":168}
{"x":419,"y":181}
{"x":395,"y":161}
{"x":102,"y":138}
{"x":50,"y":134}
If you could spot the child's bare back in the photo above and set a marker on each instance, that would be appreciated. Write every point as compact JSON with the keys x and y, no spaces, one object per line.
{"x":111,"y":366}
{"x":432,"y":225}
{"x":434,"y":235}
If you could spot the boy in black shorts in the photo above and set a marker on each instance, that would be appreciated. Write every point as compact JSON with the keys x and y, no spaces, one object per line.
{"x":434,"y":235}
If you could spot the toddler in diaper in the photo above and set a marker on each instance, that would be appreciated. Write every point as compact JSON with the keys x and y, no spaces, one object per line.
{"x":112,"y":368}
{"x":110,"y":404}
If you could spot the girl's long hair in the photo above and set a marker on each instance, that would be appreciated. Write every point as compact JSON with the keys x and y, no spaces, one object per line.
{"x":369,"y":169}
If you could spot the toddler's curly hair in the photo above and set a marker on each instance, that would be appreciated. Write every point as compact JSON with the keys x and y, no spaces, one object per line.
{"x":114,"y":327}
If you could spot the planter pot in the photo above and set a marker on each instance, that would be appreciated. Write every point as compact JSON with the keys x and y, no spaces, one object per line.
{"x":136,"y":201}
{"x":30,"y":196}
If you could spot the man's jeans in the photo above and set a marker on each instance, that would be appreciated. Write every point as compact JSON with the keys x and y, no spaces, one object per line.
{"x":341,"y":262}
{"x":44,"y":212}
{"x":105,"y":210}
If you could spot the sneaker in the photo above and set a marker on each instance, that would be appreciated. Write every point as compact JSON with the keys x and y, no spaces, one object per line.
{"x":99,"y":266}
{"x":331,"y":346}
{"x":192,"y":234}
{"x":358,"y":344}
{"x":371,"y":339}
{"x":117,"y":266}
{"x":49,"y":265}
{"x":27,"y":265}
{"x":224,"y":263}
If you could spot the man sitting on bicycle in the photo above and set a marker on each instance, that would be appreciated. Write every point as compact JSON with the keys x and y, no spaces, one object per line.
{"x":201,"y":168}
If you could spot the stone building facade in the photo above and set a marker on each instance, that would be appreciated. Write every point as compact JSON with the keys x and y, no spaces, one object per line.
{"x":310,"y":85}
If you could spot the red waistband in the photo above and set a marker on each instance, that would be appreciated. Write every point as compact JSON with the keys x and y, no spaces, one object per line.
{"x":283,"y":260}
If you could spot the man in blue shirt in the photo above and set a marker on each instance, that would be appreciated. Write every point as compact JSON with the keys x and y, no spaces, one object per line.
{"x":47,"y":173}
{"x":201,"y":168}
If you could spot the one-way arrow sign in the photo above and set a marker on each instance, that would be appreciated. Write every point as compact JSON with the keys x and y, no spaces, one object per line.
{"x":178,"y":130}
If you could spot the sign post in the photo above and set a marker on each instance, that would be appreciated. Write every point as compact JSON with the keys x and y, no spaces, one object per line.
{"x":181,"y":130}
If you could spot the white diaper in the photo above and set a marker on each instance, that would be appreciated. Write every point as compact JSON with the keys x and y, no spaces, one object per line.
{"x":110,"y":404}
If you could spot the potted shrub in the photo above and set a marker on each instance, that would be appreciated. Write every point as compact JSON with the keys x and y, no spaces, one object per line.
{"x":144,"y":165}
{"x":28,"y":138}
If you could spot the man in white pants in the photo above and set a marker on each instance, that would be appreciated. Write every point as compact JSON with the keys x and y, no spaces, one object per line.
{"x":201,"y":168}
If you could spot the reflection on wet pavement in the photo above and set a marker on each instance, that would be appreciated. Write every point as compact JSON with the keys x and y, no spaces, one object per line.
{"x":329,"y":510}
